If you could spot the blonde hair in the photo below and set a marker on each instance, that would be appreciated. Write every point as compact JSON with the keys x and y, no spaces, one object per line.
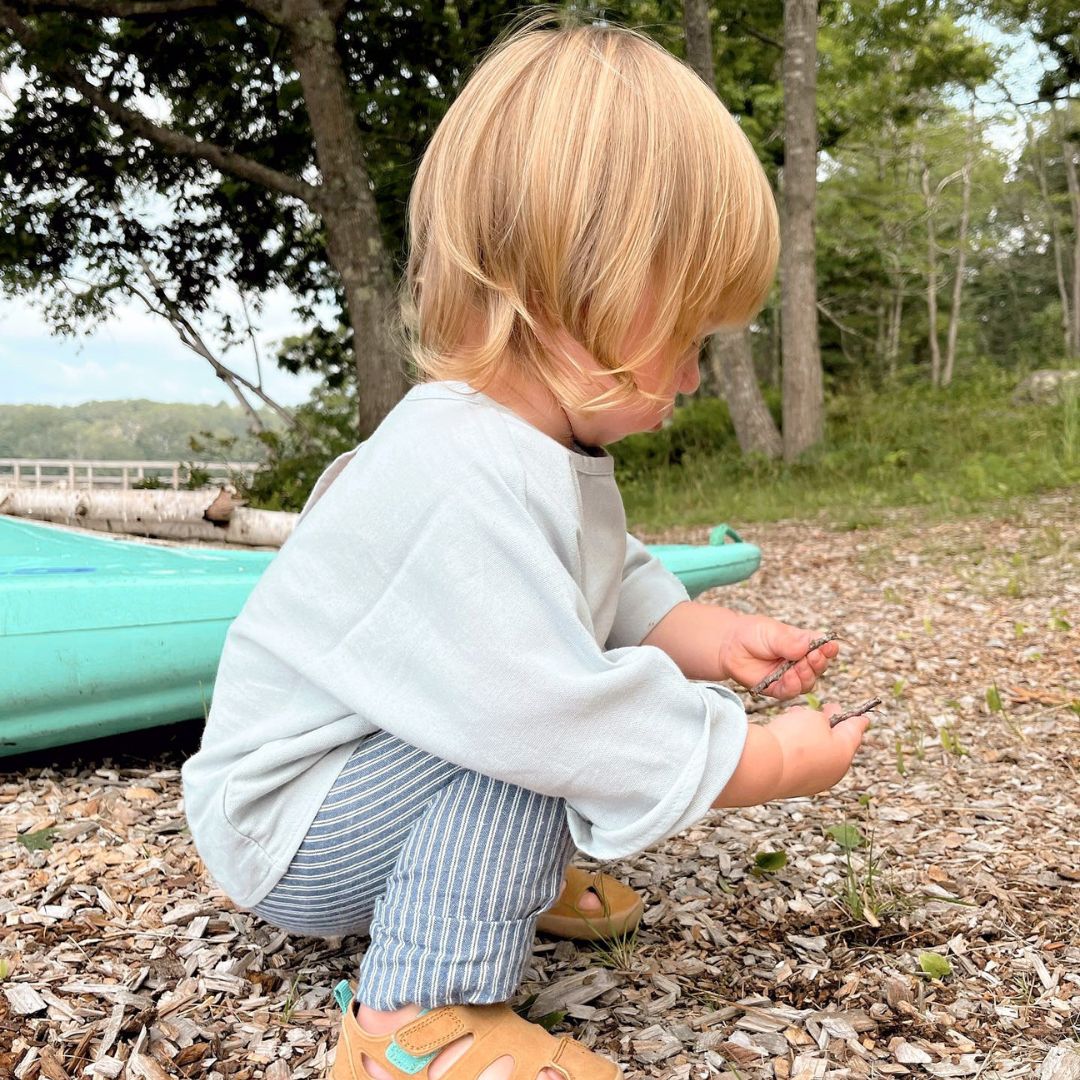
{"x":581,"y":171}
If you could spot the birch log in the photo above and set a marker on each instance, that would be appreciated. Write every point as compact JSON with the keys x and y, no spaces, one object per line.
{"x":210,"y":504}
{"x":212,"y":515}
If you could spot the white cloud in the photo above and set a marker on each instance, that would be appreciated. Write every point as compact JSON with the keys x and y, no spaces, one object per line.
{"x":129,"y":354}
{"x":78,"y":375}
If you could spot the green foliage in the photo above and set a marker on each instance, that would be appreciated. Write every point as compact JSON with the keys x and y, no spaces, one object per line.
{"x":291,"y":998}
{"x":325,"y":428}
{"x":963,"y":447}
{"x":934,"y":964}
{"x":549,"y":1021}
{"x":847,"y":836}
{"x":768,"y":862}
{"x":115,"y":430}
{"x":696,"y":430}
{"x":41,"y":840}
{"x":616,"y":951}
{"x":950,"y":742}
{"x":1051,"y":23}
{"x":864,"y":892}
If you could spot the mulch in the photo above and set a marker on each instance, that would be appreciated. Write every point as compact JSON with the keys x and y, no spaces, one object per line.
{"x":919,"y":919}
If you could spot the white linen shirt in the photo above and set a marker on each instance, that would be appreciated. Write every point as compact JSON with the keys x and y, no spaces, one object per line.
{"x":466,"y":583}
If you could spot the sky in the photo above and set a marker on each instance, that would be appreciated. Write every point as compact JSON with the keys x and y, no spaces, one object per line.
{"x":138,"y":355}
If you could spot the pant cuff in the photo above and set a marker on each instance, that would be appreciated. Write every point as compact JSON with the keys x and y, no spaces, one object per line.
{"x":445,"y":961}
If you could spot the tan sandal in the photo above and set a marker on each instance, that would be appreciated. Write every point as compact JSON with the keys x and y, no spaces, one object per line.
{"x":497,"y":1032}
{"x":620,"y":912}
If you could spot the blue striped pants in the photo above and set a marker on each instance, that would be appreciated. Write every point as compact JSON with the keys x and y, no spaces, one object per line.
{"x":446,"y":870}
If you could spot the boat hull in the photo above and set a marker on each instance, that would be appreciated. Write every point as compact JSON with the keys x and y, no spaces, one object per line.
{"x":99,"y":636}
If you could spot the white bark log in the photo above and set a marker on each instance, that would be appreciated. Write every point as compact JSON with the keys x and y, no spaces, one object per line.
{"x":134,"y":506}
{"x":207,"y":516}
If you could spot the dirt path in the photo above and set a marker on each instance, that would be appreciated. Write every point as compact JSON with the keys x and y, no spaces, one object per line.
{"x":967,"y":786}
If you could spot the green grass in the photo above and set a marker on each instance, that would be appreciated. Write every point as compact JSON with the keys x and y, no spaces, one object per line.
{"x":951,"y":452}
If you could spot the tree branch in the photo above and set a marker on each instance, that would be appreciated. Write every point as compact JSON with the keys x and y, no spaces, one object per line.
{"x":126,"y":9}
{"x":172,"y":142}
{"x":193,"y":340}
{"x":757,"y":34}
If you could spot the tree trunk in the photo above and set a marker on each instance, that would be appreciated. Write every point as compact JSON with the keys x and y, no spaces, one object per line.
{"x":732,"y":363}
{"x":1059,"y":265}
{"x":1039,"y":169}
{"x":804,"y":403}
{"x":931,"y":280}
{"x":961,"y":259}
{"x":1069,"y":153}
{"x":896,"y":322}
{"x":353,"y":238}
{"x":699,"y":40}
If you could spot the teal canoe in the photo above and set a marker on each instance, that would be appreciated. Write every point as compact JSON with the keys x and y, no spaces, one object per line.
{"x":100,"y":636}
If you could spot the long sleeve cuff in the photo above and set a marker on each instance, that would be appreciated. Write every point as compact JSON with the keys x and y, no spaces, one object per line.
{"x":648,"y":592}
{"x":706,"y":774}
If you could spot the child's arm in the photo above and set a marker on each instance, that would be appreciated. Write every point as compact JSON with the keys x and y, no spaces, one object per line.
{"x":798,"y":753}
{"x":713,"y":643}
{"x":690,"y":633}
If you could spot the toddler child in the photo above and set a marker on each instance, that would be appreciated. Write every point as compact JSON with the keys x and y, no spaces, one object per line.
{"x":460,"y":667}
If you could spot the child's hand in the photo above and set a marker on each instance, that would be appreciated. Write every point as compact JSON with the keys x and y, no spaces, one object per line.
{"x":755,"y":645}
{"x":815,"y":755}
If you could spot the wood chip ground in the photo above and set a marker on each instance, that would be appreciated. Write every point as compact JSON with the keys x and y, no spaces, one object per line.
{"x":119,"y":959}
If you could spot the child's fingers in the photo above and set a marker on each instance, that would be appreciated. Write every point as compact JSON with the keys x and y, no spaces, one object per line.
{"x":797,"y":680}
{"x":820,"y":658}
{"x":851,"y":731}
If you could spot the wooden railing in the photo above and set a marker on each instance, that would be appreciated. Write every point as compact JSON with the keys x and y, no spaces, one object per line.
{"x":123,"y":475}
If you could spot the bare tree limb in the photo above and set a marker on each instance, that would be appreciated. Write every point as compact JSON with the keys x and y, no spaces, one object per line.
{"x":227,"y":377}
{"x":193,"y":340}
{"x":172,"y":142}
{"x":844,"y":329}
{"x":757,"y":34}
{"x":251,"y":337}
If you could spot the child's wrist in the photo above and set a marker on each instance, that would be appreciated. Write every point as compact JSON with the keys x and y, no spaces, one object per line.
{"x":759,"y":775}
{"x":731,"y":620}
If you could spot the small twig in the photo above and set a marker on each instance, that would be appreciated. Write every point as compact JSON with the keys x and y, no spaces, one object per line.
{"x":787,"y":665}
{"x":873,"y":703}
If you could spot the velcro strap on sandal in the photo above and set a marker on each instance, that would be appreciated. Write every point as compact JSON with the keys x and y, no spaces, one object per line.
{"x":573,"y":1059}
{"x":431,"y":1031}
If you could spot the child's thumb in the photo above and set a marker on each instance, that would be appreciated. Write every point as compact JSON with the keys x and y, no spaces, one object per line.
{"x":852,"y":730}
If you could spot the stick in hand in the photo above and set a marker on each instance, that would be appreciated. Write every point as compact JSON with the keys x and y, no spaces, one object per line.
{"x":787,"y":665}
{"x":873,"y":703}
